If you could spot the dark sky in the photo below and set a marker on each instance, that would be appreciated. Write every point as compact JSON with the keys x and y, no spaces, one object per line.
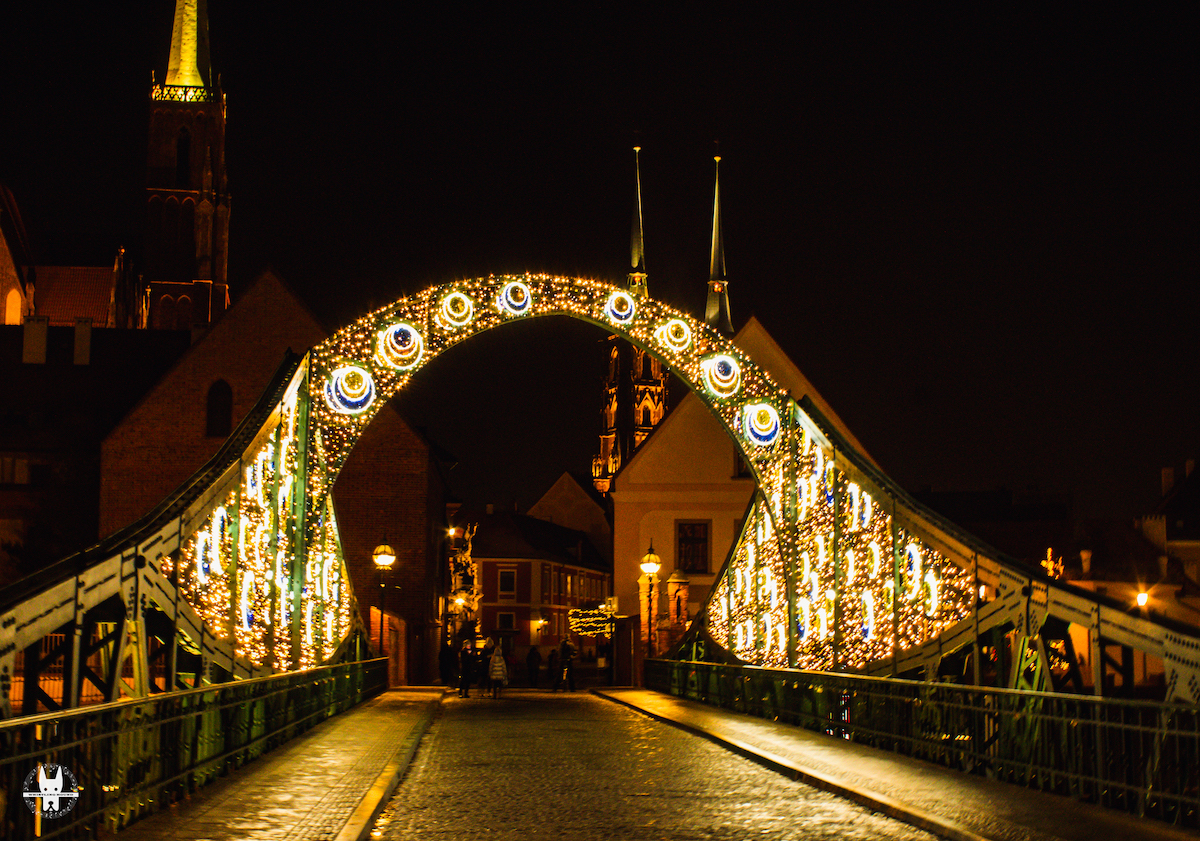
{"x":974,"y":230}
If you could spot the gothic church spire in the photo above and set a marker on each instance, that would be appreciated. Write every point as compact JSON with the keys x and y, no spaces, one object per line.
{"x":188,"y":64}
{"x":716,"y":312}
{"x":637,"y":248}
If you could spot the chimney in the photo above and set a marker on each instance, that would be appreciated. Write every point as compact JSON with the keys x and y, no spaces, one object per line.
{"x":1085,"y":557}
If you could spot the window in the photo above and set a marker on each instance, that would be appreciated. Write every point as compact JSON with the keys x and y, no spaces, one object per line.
{"x":506,"y":621}
{"x":508,"y":582}
{"x":12,"y":307}
{"x":219,"y":410}
{"x":691,"y":545}
{"x":741,"y":470}
{"x":646,"y":421}
{"x":183,"y":313}
{"x":164,"y":313}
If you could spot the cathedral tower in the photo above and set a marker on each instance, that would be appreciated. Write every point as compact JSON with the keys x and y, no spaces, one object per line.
{"x":187,"y":198}
{"x":635,"y":383}
{"x":716,"y":312}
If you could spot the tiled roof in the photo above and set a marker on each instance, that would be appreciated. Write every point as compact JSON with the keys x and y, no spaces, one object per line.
{"x":65,"y":293}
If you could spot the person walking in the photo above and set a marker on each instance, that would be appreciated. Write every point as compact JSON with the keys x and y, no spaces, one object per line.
{"x":485,"y":661}
{"x":566,"y":660}
{"x":533,"y":663}
{"x":497,"y":671}
{"x":466,"y":669}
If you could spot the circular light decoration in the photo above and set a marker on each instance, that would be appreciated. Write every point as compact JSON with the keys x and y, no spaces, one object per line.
{"x":400,"y":346}
{"x":457,"y":309}
{"x":515,"y":298}
{"x":349,"y":390}
{"x":761,"y":426}
{"x":868,"y":615}
{"x":675,"y":334}
{"x":722,"y":375}
{"x":620,"y":307}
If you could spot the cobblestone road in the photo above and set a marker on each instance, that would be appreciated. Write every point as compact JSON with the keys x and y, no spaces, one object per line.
{"x":535,"y":765}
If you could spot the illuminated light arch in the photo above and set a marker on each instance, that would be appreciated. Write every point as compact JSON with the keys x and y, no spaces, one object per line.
{"x":787,"y":595}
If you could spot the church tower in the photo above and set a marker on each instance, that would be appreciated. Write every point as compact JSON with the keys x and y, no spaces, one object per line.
{"x":635,"y":383}
{"x":187,"y":198}
{"x":716,"y":312}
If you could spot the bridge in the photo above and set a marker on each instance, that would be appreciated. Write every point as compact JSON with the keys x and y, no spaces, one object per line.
{"x":229,"y":611}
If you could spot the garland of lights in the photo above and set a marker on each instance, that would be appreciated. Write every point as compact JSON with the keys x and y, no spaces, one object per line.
{"x":816,"y":544}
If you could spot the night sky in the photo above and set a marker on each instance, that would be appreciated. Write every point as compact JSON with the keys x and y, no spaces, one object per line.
{"x":975,"y":231}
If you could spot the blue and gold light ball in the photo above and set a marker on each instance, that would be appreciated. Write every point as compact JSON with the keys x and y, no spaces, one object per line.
{"x":515,"y":298}
{"x":457,"y":309}
{"x":674,"y":334}
{"x":761,"y":424}
{"x":349,"y":390}
{"x":722,"y":375}
{"x":620,"y":307}
{"x":400,"y":346}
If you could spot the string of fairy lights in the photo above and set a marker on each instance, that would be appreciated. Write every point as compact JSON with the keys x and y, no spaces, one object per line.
{"x":822,"y":576}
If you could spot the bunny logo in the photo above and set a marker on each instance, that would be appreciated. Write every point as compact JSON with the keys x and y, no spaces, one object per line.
{"x":50,"y":790}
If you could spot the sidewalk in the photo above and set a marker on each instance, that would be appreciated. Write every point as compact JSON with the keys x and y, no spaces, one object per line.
{"x":948,"y":803}
{"x":325,"y":785}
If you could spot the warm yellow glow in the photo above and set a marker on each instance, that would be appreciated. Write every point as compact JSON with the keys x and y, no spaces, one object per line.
{"x":1142,"y":598}
{"x":384,"y":556}
{"x":651,"y":563}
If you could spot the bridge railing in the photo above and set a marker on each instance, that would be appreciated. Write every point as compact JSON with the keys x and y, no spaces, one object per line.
{"x":130,"y":758}
{"x":1139,"y":756}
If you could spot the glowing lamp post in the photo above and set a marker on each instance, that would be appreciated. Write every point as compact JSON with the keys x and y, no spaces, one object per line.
{"x":383,"y":556}
{"x":648,"y":596}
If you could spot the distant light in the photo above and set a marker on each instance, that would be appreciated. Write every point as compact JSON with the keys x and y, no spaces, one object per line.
{"x":1142,"y":598}
{"x":451,"y":532}
{"x":983,"y":591}
{"x":460,"y":601}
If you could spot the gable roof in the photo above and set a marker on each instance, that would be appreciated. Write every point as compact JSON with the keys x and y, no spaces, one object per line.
{"x":754,"y":340}
{"x":505,"y":534}
{"x":65,"y":293}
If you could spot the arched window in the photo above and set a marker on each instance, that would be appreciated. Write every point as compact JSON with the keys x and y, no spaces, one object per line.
{"x":164,"y":313}
{"x":219,"y":410}
{"x":646,"y":416}
{"x":12,"y":307}
{"x":183,"y":160}
{"x":183,"y":313}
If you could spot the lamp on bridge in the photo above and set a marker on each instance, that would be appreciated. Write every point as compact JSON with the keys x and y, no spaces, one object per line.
{"x":383,"y":556}
{"x":648,"y":596}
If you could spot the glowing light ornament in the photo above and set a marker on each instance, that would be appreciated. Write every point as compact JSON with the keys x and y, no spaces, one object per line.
{"x":868,"y":611}
{"x":932,"y":600}
{"x":202,"y":540}
{"x":868,"y":508}
{"x":515,"y":298}
{"x":849,"y":565}
{"x":855,"y":506}
{"x":308,"y":629}
{"x":220,"y":522}
{"x":823,"y":622}
{"x":349,"y":390}
{"x":457,"y":310}
{"x":620,"y":307}
{"x":722,"y":375}
{"x":803,"y":618}
{"x":675,"y":335}
{"x":400,"y":346}
{"x":761,"y":424}
{"x":244,"y":600}
{"x":914,"y":571}
{"x":876,"y":554}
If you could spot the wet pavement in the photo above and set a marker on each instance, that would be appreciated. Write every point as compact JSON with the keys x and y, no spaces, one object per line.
{"x":538,"y":765}
{"x":308,"y":789}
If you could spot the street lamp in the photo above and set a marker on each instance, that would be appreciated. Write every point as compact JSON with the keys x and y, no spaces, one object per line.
{"x":648,"y":590}
{"x":383,"y":556}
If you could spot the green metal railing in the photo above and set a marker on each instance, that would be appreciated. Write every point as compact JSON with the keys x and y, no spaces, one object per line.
{"x":1139,"y":756}
{"x":132,"y":757}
